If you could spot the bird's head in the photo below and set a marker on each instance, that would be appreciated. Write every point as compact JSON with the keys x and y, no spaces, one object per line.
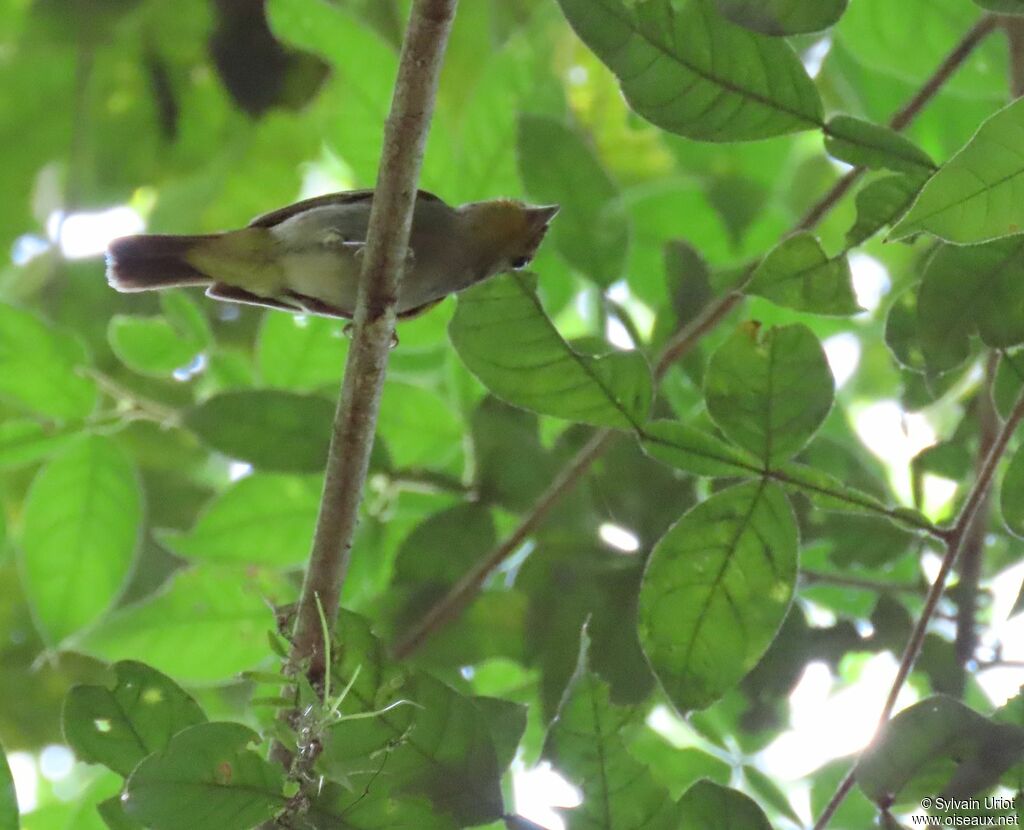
{"x":505,"y":233}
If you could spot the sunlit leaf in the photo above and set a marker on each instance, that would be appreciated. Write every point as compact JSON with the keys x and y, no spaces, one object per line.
{"x":40,"y":367}
{"x":692,"y":72}
{"x":119,"y":726}
{"x":208,"y":624}
{"x":503,"y":336}
{"x":716,"y":589}
{"x":79,"y":533}
{"x":264,"y":519}
{"x":159,"y":345}
{"x":24,"y":441}
{"x":694,"y":451}
{"x":301,"y":352}
{"x":978,"y":194}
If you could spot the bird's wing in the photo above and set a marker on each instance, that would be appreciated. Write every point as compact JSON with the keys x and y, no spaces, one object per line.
{"x":268,"y":220}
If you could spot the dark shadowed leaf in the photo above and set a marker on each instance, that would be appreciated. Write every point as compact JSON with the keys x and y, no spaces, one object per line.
{"x":937,"y":746}
{"x":798,"y":274}
{"x":1012,"y":494}
{"x":716,"y":589}
{"x":693,"y":73}
{"x":205,"y":779}
{"x":709,"y":806}
{"x":276,"y":431}
{"x":967,"y":289}
{"x":880,"y":202}
{"x":974,"y":197}
{"x":769,"y":392}
{"x":503,"y":336}
{"x":864,"y":144}
{"x":437,"y":743}
{"x":557,"y":167}
{"x":79,"y":533}
{"x":119,"y":726}
{"x":1004,"y":6}
{"x":585,"y":743}
{"x":783,"y":17}
{"x":8,"y":800}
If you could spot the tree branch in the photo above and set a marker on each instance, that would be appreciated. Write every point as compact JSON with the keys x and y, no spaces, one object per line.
{"x":387,"y":240}
{"x":458,"y":597}
{"x":955,"y":539}
{"x":907,"y":113}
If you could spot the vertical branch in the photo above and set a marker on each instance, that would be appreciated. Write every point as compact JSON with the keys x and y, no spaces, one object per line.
{"x":974,"y":538}
{"x":355,"y":420}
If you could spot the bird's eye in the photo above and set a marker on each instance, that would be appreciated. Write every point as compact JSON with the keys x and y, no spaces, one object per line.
{"x":520,"y":262}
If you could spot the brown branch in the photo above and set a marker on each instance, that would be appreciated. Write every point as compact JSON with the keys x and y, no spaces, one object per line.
{"x":876,"y":585}
{"x":458,"y":597}
{"x":384,"y":259}
{"x":907,"y":113}
{"x":955,"y":539}
{"x":970,"y":566}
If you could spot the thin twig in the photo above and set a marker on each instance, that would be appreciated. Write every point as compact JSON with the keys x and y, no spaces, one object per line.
{"x":386,"y":244}
{"x":458,"y":597}
{"x":955,"y":538}
{"x":876,"y":585}
{"x":907,"y":113}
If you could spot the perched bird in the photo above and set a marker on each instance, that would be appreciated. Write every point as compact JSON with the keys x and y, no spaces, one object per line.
{"x":307,"y":257}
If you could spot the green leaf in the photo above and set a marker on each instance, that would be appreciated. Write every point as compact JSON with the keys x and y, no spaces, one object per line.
{"x":24,"y":441}
{"x":557,"y":167}
{"x":437,"y":743}
{"x":40,"y":367}
{"x":769,"y":392}
{"x":693,"y":73}
{"x":797,"y":274}
{"x":770,"y":793}
{"x":879,"y":203}
{"x":302,"y":352}
{"x":8,"y":798}
{"x":205,"y":779}
{"x":716,"y":589}
{"x":976,"y":195}
{"x":693,"y":451}
{"x":418,"y":425}
{"x":783,"y":17}
{"x":677,"y":768}
{"x":937,"y":747}
{"x":114,"y":817}
{"x":585,"y":743}
{"x":503,"y":336}
{"x":208,"y":624}
{"x":263,"y":519}
{"x":79,"y":533}
{"x":119,"y":726}
{"x":709,"y":806}
{"x":864,"y":144}
{"x":1012,"y":494}
{"x":1002,"y":6}
{"x":336,"y":807}
{"x":159,"y":345}
{"x":274,"y":431}
{"x":966,"y":289}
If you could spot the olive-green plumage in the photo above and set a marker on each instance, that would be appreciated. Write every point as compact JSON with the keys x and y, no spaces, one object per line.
{"x":307,"y":256}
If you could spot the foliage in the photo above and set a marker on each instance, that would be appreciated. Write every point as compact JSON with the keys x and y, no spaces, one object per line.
{"x":659,"y":405}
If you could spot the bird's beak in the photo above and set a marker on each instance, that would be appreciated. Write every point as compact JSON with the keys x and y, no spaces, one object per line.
{"x":541,"y":216}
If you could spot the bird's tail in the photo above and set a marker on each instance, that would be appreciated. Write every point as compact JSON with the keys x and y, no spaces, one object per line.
{"x":148,"y":261}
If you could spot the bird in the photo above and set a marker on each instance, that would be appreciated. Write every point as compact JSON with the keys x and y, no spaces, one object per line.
{"x":307,"y":257}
